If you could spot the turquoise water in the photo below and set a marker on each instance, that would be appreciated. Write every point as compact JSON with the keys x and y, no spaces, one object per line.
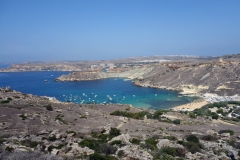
{"x":97,"y":91}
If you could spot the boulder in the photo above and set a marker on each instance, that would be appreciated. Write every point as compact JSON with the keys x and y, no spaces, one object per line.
{"x":226,"y":135}
{"x":211,"y":132}
{"x":167,"y":143}
{"x":163,"y":143}
{"x":123,"y":137}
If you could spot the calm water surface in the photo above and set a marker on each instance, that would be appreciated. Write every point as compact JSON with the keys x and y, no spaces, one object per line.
{"x":98,"y":91}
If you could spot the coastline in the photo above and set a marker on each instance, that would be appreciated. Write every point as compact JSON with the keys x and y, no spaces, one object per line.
{"x":191,"y":106}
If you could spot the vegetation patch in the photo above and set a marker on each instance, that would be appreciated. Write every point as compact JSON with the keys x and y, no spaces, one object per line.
{"x":177,"y":121}
{"x":209,"y":138}
{"x":120,"y":154}
{"x":59,"y":118}
{"x":97,"y":156}
{"x":193,"y":145}
{"x":227,"y":131}
{"x":29,"y":143}
{"x":172,"y":138}
{"x":5,"y":101}
{"x":98,"y":146}
{"x":135,"y":141}
{"x":23,"y":116}
{"x":151,"y":141}
{"x":138,"y":115}
{"x":204,"y":111}
{"x":49,"y":107}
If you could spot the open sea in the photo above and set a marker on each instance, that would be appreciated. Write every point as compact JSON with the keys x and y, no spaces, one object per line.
{"x":107,"y":91}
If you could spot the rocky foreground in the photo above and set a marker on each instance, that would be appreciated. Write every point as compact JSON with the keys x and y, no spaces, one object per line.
{"x":33,"y":127}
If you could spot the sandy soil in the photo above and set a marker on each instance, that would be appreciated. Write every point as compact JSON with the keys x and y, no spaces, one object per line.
{"x":191,"y":106}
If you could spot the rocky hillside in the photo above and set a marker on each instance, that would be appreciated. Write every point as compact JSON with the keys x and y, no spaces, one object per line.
{"x":33,"y":127}
{"x":221,"y":77}
{"x":85,"y":76}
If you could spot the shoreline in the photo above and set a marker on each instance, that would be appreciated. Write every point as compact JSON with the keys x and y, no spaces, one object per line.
{"x":191,"y":106}
{"x":204,"y":98}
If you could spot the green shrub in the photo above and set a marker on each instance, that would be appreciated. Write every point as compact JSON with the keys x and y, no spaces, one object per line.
{"x":117,"y":142}
{"x":147,"y":146}
{"x":193,"y":147}
{"x":4,"y":101}
{"x":49,"y":107}
{"x":192,"y":138}
{"x":220,"y":111}
{"x":107,"y":149}
{"x":97,"y":156}
{"x":120,"y":153}
{"x":214,"y":115}
{"x":227,"y":131}
{"x":9,"y":99}
{"x":180,"y":152}
{"x":29,"y":143}
{"x":177,"y":121}
{"x":59,"y":118}
{"x":158,"y":113}
{"x":151,"y":141}
{"x":172,"y":138}
{"x":9,"y":149}
{"x":169,"y":150}
{"x":166,"y":157}
{"x":23,"y":116}
{"x":202,"y":111}
{"x":135,"y":141}
{"x":138,"y":115}
{"x":209,"y":138}
{"x":2,"y":140}
{"x":192,"y":115}
{"x":114,"y":132}
{"x":98,"y":146}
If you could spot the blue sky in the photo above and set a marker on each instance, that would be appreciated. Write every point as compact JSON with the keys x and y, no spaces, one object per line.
{"x":39,"y":30}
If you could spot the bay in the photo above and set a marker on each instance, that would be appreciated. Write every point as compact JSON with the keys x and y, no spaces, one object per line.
{"x":113,"y":90}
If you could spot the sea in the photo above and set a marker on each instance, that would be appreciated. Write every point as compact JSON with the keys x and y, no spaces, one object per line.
{"x":104,"y":91}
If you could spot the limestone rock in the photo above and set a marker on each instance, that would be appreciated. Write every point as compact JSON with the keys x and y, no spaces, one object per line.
{"x":196,"y":156}
{"x":211,"y":132}
{"x":76,"y":150}
{"x":54,"y":151}
{"x":134,"y":152}
{"x":167,"y":143}
{"x":226,"y":135}
{"x":123,"y":137}
{"x":163,"y":143}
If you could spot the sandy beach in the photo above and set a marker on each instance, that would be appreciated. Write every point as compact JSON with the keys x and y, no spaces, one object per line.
{"x":191,"y":106}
